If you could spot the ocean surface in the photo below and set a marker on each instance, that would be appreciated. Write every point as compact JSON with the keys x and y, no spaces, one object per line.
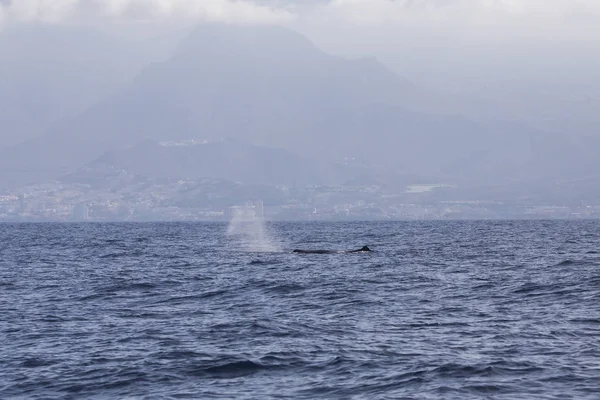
{"x":438,"y":310}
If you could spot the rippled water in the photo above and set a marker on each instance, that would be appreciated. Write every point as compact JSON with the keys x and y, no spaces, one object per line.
{"x":497,"y":310}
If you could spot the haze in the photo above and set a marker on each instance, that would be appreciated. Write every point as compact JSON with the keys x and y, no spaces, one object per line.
{"x":161,"y":109}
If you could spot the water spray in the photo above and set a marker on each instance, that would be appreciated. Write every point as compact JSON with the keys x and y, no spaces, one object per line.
{"x":248,"y":226}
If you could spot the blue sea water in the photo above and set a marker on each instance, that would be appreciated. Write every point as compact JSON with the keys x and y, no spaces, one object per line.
{"x":438,"y":310}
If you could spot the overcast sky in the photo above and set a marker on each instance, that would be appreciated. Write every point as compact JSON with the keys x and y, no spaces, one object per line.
{"x":346,"y":25}
{"x":580,"y":15}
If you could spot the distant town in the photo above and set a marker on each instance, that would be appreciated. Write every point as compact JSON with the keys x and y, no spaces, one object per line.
{"x":217,"y":200}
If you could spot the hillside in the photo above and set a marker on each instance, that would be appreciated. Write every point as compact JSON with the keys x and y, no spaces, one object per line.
{"x":227,"y":159}
{"x":271,"y":87}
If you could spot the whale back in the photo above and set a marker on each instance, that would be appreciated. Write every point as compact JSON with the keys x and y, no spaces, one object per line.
{"x":362,"y":249}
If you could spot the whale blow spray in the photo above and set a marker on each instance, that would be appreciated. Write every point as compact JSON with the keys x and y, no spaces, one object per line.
{"x":247,"y":226}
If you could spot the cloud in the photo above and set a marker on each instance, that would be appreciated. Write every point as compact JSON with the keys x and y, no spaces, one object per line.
{"x":361,"y":13}
{"x":466,"y":21}
{"x":378,"y":10}
{"x":56,"y":11}
{"x":372,"y":12}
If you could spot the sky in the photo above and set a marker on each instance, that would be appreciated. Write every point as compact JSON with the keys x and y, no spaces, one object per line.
{"x":70,"y":11}
{"x":470,"y":21}
{"x":346,"y":26}
{"x":554,"y":13}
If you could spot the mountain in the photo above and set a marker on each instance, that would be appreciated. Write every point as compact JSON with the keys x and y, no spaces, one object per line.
{"x":271,"y":87}
{"x":227,"y":159}
{"x":52,"y":72}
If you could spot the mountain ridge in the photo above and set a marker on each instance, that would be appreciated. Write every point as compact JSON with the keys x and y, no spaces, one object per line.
{"x":272,"y":87}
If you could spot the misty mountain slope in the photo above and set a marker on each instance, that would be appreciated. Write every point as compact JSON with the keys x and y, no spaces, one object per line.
{"x":271,"y":87}
{"x":48,"y":73}
{"x":52,"y":72}
{"x":227,"y":159}
{"x":225,"y":81}
{"x":267,"y":85}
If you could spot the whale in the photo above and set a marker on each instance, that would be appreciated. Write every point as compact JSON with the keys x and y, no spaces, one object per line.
{"x":363,"y":249}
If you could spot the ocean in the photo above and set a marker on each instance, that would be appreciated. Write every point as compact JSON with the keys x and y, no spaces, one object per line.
{"x":438,"y":310}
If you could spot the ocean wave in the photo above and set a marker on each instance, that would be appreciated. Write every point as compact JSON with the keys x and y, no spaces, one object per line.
{"x":507,"y":316}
